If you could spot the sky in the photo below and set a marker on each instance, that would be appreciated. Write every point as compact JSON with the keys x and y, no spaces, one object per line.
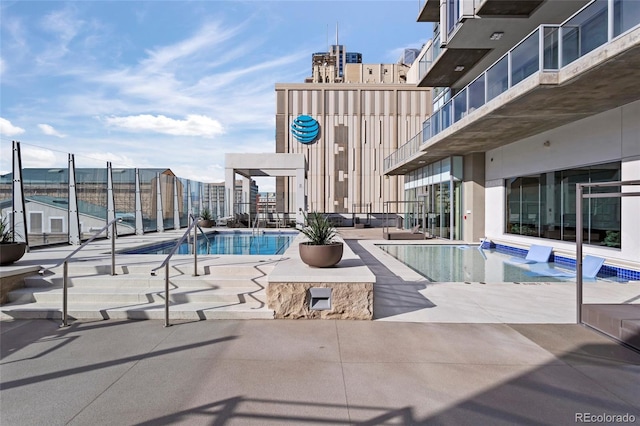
{"x":171,"y":84}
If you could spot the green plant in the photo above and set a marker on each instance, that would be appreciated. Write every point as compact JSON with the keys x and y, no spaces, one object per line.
{"x":206,"y":214}
{"x":6,"y":231}
{"x":318,"y":230}
{"x":612,"y":239}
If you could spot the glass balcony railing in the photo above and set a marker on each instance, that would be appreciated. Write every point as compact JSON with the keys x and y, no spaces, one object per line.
{"x":146,"y":200}
{"x":429,"y":56}
{"x":544,"y":49}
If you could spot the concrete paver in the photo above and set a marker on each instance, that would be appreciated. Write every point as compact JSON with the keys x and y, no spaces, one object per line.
{"x":420,"y":363}
{"x":237,"y":372}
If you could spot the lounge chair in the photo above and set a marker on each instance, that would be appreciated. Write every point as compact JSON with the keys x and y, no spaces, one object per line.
{"x":536,"y":254}
{"x":590,"y":267}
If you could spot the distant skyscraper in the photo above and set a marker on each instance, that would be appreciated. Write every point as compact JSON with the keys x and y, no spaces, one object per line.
{"x":328,"y":67}
{"x":409,"y":56}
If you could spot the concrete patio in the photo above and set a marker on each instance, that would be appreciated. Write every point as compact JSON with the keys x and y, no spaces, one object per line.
{"x":436,"y":354}
{"x":233,"y":372}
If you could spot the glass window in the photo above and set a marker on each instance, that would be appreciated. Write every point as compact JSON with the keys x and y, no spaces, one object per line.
{"x":544,"y":205}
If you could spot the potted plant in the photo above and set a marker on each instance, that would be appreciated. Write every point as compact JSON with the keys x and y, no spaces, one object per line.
{"x":10,"y":250}
{"x":321,"y":251}
{"x":206,"y":219}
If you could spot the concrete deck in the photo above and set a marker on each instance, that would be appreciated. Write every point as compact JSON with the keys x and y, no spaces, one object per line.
{"x":400,"y":369}
{"x":400,"y":294}
{"x":265,"y":372}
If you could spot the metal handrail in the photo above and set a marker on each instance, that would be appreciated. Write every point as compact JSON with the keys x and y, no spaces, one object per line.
{"x":255,"y":229}
{"x":205,"y":237}
{"x":165,"y":263}
{"x":65,"y":263}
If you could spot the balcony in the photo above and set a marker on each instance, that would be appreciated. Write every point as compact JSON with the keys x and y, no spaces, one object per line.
{"x":473,"y":44}
{"x":555,"y":75}
{"x":430,"y":11}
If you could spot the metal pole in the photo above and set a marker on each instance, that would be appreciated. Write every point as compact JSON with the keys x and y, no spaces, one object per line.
{"x":195,"y":247}
{"x":65,"y":276}
{"x":579,"y":253}
{"x":166,"y":296}
{"x":113,"y":248}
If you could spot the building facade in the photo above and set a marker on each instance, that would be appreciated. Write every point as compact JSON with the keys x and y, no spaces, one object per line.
{"x":532,"y":98}
{"x":329,"y":67}
{"x":358,"y":126}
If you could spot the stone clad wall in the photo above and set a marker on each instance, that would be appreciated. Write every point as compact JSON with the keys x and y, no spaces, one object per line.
{"x":351,"y":282}
{"x":348,"y":300}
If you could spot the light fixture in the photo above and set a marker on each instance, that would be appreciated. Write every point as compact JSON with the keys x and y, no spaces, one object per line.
{"x":496,"y":35}
{"x":459,"y":68}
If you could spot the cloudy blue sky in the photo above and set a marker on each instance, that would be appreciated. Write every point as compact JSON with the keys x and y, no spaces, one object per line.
{"x":170,"y":83}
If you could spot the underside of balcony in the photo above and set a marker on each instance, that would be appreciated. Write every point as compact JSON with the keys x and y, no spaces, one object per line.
{"x":522,"y":8}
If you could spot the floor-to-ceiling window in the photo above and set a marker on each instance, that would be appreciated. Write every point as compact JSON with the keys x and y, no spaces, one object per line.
{"x":438,"y":186}
{"x":544,"y":205}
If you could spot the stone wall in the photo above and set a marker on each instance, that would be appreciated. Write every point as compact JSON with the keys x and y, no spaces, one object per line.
{"x":348,"y":300}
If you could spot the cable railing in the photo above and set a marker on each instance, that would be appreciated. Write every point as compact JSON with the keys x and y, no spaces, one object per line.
{"x":547,"y":48}
{"x":65,"y":264}
{"x":165,"y":264}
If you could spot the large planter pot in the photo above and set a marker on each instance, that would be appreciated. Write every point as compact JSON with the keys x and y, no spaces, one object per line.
{"x":207,"y":223}
{"x":11,"y":252}
{"x":321,"y":256}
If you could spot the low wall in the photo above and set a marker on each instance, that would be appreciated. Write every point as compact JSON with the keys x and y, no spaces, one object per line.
{"x":351,"y":283}
{"x":11,"y":279}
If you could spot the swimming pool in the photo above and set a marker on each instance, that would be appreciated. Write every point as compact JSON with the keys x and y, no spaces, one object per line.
{"x":236,"y":242}
{"x":456,"y":263}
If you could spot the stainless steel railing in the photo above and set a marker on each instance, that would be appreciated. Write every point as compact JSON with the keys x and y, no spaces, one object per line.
{"x":165,"y":264}
{"x":205,"y":237}
{"x":65,"y":264}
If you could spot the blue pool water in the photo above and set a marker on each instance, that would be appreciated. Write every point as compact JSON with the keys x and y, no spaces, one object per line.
{"x":455,"y":263}
{"x":267,"y":243}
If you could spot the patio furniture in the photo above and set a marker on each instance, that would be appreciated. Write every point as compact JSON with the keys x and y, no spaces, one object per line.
{"x":536,"y":254}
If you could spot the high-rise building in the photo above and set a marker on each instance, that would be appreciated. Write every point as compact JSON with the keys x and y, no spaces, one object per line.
{"x":531,"y":99}
{"x":328,"y":67}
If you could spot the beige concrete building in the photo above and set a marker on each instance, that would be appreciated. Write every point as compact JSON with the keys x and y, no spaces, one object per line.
{"x":376,"y":73}
{"x":359,"y":125}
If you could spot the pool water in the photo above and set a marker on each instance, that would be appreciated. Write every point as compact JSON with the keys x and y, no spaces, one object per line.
{"x":455,"y":263}
{"x":267,"y":243}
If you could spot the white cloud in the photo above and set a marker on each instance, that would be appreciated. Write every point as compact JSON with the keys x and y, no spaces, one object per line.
{"x":99,"y":159}
{"x":49,"y":130}
{"x":8,"y":129}
{"x":208,"y":36}
{"x":194,"y":125}
{"x":63,"y":27}
{"x":40,"y":157}
{"x":3,"y":66}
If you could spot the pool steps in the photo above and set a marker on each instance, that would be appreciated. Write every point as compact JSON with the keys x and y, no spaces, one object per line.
{"x":219,"y":292}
